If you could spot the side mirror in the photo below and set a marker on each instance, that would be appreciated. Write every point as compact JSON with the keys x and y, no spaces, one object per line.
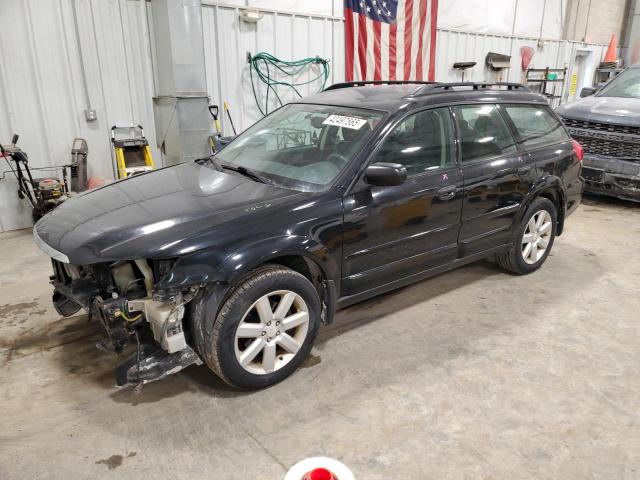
{"x":587,"y":92}
{"x":385,"y":174}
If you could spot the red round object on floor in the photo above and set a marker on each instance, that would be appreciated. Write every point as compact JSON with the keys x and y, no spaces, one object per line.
{"x":320,"y":474}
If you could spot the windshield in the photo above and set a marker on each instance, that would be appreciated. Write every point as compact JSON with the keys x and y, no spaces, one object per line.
{"x":626,"y":85}
{"x":302,"y":147}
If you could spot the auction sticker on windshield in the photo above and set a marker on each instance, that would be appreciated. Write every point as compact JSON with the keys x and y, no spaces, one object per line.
{"x":346,"y":122}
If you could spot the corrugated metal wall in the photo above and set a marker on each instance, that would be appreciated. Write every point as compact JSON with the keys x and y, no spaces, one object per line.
{"x":41,"y":81}
{"x":454,"y":46}
{"x":286,"y":35}
{"x":42,"y":94}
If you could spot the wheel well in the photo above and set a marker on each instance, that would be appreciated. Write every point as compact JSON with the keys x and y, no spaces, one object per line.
{"x":554,"y":195}
{"x":313,"y":272}
{"x":303,"y":266}
{"x":297,"y":263}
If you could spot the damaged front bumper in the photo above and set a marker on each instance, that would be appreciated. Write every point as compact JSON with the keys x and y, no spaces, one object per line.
{"x":123,"y":298}
{"x":612,"y":176}
{"x":151,"y":363}
{"x":168,"y":352}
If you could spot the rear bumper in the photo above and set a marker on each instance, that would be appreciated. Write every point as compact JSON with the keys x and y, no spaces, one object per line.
{"x":611,"y":176}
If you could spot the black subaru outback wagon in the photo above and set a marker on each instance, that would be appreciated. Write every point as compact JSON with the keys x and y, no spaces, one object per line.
{"x":236,"y":260}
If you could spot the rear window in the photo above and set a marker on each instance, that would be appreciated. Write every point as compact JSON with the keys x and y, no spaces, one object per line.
{"x":536,"y":126}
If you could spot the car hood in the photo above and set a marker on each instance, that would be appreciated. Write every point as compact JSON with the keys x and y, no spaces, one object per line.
{"x":160,"y":214}
{"x":623,"y":111}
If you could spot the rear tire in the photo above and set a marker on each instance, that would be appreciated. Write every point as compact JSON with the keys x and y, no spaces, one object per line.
{"x":264,"y":329}
{"x":533,"y":240}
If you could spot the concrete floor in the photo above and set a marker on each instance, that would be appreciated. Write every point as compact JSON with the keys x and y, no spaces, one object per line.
{"x":472,"y":374}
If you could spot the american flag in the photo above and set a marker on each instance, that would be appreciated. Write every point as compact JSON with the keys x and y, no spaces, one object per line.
{"x":390,"y":39}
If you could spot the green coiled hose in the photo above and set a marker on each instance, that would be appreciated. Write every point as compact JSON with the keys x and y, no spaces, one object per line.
{"x":264,"y":64}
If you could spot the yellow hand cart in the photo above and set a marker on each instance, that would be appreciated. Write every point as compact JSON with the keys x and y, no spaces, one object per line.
{"x":132,"y":154}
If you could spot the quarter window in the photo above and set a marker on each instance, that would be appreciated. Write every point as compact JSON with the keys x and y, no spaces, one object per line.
{"x":483,"y":132}
{"x":422,"y":142}
{"x":536,"y":125}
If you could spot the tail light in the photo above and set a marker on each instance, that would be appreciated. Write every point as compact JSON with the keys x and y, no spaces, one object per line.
{"x":578,"y":150}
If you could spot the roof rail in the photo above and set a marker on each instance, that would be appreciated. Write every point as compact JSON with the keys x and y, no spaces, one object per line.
{"x":362,"y":83}
{"x":473,"y":85}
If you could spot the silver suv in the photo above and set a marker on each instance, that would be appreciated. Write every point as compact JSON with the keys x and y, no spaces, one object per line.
{"x":606,"y":122}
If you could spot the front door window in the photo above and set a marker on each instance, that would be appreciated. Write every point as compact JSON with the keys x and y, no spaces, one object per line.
{"x":422,"y":142}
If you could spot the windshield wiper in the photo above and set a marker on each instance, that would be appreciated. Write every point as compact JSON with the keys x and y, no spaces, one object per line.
{"x":245,"y":171}
{"x":210,"y":160}
{"x":234,"y":168}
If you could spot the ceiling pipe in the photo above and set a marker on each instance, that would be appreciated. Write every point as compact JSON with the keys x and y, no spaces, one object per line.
{"x":181,"y":102}
{"x":586,"y":24}
{"x":544,"y":9}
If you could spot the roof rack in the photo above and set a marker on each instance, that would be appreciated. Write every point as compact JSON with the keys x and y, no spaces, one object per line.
{"x":362,"y":83}
{"x":473,"y":85}
{"x":430,"y":87}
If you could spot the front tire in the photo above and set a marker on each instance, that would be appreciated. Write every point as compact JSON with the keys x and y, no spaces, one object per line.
{"x":533,"y":239}
{"x":264,"y":329}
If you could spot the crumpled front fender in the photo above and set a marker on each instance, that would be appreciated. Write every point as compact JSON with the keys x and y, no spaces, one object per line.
{"x":227,"y":264}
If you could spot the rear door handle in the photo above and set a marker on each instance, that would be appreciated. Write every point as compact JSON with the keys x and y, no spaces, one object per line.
{"x":447,"y":193}
{"x":524,"y":170}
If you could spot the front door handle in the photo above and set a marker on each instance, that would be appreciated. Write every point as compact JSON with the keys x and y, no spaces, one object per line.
{"x":447,"y":193}
{"x":524,"y":170}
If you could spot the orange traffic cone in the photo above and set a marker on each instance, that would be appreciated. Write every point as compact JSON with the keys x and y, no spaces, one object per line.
{"x":612,"y":51}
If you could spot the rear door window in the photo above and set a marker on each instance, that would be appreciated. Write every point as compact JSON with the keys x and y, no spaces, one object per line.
{"x":536,"y":126}
{"x":483,"y":132}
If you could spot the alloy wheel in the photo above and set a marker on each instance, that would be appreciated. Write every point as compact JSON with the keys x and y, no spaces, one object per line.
{"x":271,"y":332}
{"x":537,"y":236}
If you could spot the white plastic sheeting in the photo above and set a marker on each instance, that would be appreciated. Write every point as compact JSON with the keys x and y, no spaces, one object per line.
{"x":530,"y":21}
{"x":483,"y":16}
{"x":521,"y":18}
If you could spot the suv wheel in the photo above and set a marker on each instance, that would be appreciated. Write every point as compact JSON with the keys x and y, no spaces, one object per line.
{"x":264,"y":329}
{"x":534,"y":239}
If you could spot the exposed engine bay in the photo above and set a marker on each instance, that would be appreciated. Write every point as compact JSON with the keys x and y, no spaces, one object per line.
{"x":121,"y":296}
